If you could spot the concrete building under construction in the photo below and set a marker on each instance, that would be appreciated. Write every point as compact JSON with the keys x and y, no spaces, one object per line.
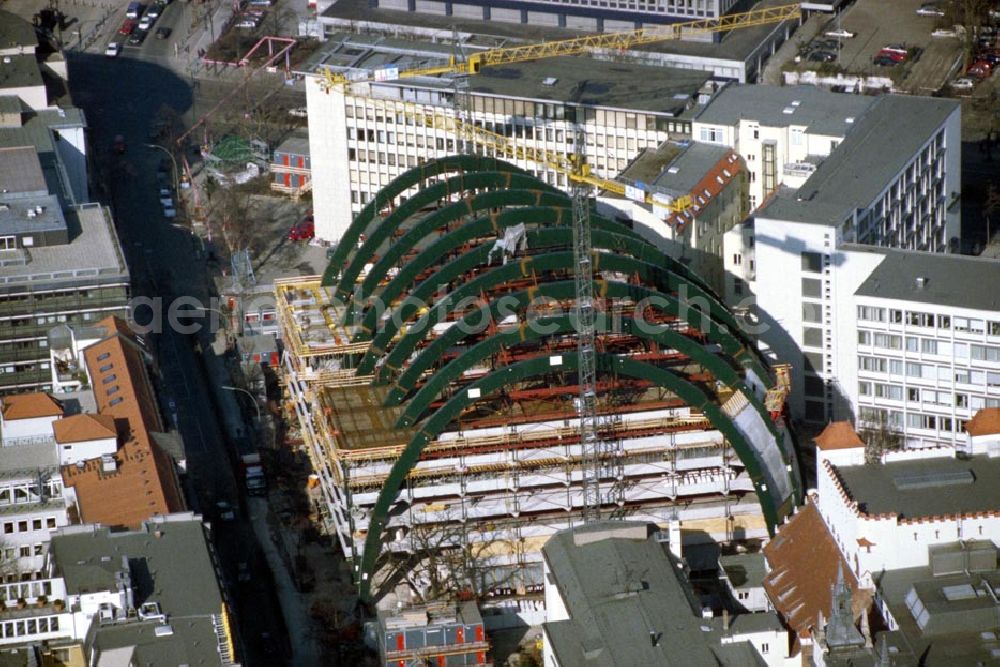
{"x":433,"y":373}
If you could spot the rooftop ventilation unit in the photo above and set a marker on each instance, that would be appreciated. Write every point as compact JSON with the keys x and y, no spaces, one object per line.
{"x":788,"y":110}
{"x":108,"y":463}
{"x":163,"y":631}
{"x":549,"y":81}
{"x":849,"y":120}
{"x":922,"y":282}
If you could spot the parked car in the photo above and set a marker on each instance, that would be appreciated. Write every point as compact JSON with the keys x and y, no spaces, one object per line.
{"x":145,"y":23}
{"x":930,"y":10}
{"x":153,"y":12}
{"x":170,"y":213}
{"x":113,"y":49}
{"x":137,"y":38}
{"x":965,"y":83}
{"x":979,"y":69}
{"x":992,"y":58}
{"x":128,"y":27}
{"x":885,"y":61}
{"x":826,"y":44}
{"x":822,"y":57}
{"x":841,"y":33}
{"x":247,"y":24}
{"x":945,"y":32}
{"x":300,"y":112}
{"x":162,"y":33}
{"x":225,"y":511}
{"x":302,"y":231}
{"x":895,"y":55}
{"x":896,"y":48}
{"x":166,"y":201}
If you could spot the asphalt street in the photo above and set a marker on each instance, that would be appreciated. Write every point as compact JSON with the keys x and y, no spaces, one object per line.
{"x":122,"y":96}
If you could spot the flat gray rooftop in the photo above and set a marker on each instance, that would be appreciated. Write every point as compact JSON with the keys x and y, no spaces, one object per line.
{"x":93,"y":253}
{"x":15,"y":31}
{"x":88,"y":557}
{"x":621,"y":590}
{"x":924,"y":488}
{"x":953,"y":638}
{"x":594,"y":83}
{"x":297,"y":144}
{"x":949,"y":280}
{"x":193,"y":642}
{"x":883,"y":141}
{"x":20,"y":71}
{"x":36,"y":214}
{"x":818,"y":109}
{"x":737,"y":45}
{"x":17,"y":461}
{"x":744,"y":570}
{"x":37,"y":130}
{"x":687,"y":169}
{"x":20,"y":171}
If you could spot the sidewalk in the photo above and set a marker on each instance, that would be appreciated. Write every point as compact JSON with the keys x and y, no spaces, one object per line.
{"x":293,"y":605}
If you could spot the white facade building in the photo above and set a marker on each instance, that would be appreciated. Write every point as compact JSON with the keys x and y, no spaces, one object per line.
{"x":888,"y":184}
{"x":782,"y":133}
{"x":362,"y":140}
{"x":884,"y":517}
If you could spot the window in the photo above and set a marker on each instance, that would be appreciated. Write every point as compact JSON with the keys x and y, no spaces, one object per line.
{"x":871,"y":314}
{"x":888,"y":341}
{"x":812,"y":287}
{"x":711,"y":135}
{"x":796,"y":136}
{"x":36,"y":524}
{"x":895,"y":316}
{"x":764,"y":648}
{"x":928,"y":346}
{"x":103,"y":356}
{"x":943,"y":322}
{"x":912,"y":344}
{"x":985,"y":353}
{"x":116,"y":400}
{"x":109,"y":379}
{"x":812,"y":337}
{"x":864,"y":337}
{"x":50,"y":522}
{"x":812,"y":312}
{"x":812,"y":262}
{"x":864,"y":388}
{"x":105,"y":368}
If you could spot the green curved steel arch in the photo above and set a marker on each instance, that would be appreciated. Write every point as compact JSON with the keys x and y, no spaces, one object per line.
{"x":471,"y":181}
{"x":400,"y":184}
{"x":541,"y":366}
{"x":528,"y":200}
{"x":546,"y":262}
{"x":560,"y":290}
{"x":563,"y":324}
{"x":479,"y":256}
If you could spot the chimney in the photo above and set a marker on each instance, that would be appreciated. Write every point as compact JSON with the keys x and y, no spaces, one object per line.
{"x":922,"y":282}
{"x":725,"y":619}
{"x":654,"y":637}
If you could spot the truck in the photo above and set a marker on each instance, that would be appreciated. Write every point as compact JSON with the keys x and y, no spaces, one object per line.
{"x":253,"y":474}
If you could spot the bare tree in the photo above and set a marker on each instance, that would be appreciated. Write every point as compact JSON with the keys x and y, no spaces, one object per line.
{"x":444,"y":564}
{"x":880,"y":437}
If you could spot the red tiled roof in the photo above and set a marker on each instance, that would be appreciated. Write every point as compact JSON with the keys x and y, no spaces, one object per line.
{"x":709,"y":183}
{"x":144,"y":483}
{"x":839,"y":435}
{"x":804,"y":560}
{"x":81,"y":428}
{"x":984,"y":422}
{"x":30,"y":406}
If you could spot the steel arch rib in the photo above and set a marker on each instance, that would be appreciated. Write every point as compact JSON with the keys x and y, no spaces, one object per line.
{"x":542,"y":328}
{"x":521,"y":269}
{"x":527,"y":200}
{"x":479,"y":256}
{"x":367,"y":215}
{"x":515,"y":301}
{"x":498,"y":181}
{"x":540,"y":366}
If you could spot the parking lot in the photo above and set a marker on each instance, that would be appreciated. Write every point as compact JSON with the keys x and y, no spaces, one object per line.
{"x":876,"y":24}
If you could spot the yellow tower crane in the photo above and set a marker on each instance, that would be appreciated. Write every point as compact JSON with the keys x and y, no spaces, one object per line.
{"x":576,"y":170}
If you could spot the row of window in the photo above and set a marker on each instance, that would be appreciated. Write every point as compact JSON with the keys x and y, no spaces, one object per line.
{"x":895,"y":392}
{"x":28,"y":525}
{"x":30,"y":626}
{"x":24,"y":551}
{"x":928,"y":320}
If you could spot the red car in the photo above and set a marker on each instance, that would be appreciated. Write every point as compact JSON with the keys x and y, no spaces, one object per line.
{"x":980,"y":69}
{"x":302,"y":231}
{"x":128,"y":27}
{"x":895,"y":55}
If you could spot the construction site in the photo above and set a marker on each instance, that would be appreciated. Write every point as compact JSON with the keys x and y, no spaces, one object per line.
{"x":450,"y":419}
{"x":488,"y":360}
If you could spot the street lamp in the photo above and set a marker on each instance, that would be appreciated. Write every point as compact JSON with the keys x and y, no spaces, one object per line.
{"x":252,"y":397}
{"x":173,"y":161}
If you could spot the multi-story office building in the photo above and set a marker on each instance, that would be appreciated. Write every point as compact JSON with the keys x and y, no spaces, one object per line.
{"x":362,"y":139}
{"x":57,"y":266}
{"x":597,"y":15}
{"x":889,"y":184}
{"x":60,"y":260}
